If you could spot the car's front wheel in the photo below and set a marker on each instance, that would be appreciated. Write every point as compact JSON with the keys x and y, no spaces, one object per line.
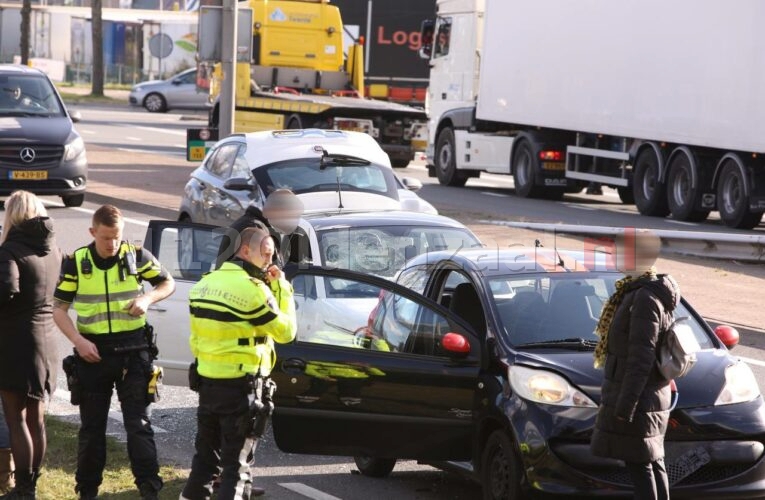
{"x":501,"y":471}
{"x":155,"y":103}
{"x":374,"y":467}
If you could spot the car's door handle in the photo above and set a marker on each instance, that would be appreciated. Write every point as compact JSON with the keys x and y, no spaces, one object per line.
{"x":293,"y":364}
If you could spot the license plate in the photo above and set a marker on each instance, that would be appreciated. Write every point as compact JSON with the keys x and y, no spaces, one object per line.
{"x":689,"y":462}
{"x":553,"y":165}
{"x":28,"y":175}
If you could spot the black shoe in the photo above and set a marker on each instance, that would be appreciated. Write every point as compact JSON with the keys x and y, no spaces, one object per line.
{"x":148,"y":492}
{"x":86,"y":494}
{"x":257,"y":492}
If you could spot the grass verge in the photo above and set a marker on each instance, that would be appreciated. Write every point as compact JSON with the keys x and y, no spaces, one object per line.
{"x":57,"y":480}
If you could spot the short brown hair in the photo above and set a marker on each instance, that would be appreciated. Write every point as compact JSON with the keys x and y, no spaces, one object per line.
{"x":107,"y":215}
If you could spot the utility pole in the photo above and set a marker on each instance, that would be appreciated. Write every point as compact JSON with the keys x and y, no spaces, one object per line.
{"x":228,"y":46}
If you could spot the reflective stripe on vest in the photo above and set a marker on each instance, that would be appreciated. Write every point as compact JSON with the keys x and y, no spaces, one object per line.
{"x":227,"y":306}
{"x":102,"y":297}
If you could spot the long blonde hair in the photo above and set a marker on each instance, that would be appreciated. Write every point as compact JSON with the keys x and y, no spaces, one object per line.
{"x":21,"y":206}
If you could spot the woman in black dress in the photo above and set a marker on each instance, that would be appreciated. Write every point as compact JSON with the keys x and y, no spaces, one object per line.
{"x":29,"y":267}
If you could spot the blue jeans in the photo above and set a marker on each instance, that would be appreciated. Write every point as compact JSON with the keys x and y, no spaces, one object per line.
{"x":5,"y":438}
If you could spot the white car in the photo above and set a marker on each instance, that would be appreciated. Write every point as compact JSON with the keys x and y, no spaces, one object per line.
{"x":327,"y":169}
{"x":373,"y":243}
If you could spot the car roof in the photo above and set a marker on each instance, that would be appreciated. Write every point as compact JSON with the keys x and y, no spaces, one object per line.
{"x":324,"y":220}
{"x":20,"y":69}
{"x":491,"y":262}
{"x":272,"y":146}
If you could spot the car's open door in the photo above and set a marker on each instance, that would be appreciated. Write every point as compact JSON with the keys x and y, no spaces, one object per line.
{"x":376,"y":370}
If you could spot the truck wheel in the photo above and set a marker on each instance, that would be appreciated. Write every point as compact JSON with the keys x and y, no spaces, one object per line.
{"x":732,"y":201}
{"x":400,"y":163}
{"x":525,"y":172}
{"x":294,"y":122}
{"x":649,"y":193}
{"x":446,"y":168}
{"x":501,"y":472}
{"x":681,"y":195}
{"x":374,"y":467}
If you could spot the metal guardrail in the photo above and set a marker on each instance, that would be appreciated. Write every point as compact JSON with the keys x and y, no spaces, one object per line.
{"x":741,"y":247}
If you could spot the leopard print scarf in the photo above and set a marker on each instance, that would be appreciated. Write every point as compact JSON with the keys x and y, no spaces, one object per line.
{"x":607,"y":315}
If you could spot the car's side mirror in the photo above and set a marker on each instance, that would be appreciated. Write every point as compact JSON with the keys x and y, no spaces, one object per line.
{"x":238,"y":184}
{"x":456,"y":345}
{"x":728,"y":336}
{"x":411,"y":183}
{"x":76,"y":116}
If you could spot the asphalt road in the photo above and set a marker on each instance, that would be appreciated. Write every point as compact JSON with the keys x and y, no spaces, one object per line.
{"x":137,"y":161}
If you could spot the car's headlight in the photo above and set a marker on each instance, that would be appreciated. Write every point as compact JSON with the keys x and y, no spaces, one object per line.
{"x":740,"y":385}
{"x":542,"y":386}
{"x":74,"y":148}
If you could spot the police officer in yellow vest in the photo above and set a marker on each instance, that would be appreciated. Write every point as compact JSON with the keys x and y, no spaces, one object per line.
{"x":237,"y":312}
{"x":103,"y":281}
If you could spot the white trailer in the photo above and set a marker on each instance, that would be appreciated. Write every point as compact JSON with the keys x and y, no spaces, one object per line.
{"x":663,"y":100}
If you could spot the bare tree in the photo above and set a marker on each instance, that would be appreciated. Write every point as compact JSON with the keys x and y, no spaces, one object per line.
{"x":26,"y":15}
{"x":97,"y":31}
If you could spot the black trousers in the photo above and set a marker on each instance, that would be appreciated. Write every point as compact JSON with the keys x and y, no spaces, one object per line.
{"x":650,"y":480}
{"x":222,"y":446}
{"x":130,"y":374}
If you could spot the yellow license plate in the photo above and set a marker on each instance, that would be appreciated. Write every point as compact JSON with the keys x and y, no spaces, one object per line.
{"x":553,"y":165}
{"x":29,"y":175}
{"x":197,"y":153}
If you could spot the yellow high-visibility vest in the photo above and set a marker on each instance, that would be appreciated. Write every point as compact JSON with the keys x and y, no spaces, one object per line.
{"x":234,"y":320}
{"x":102,"y":296}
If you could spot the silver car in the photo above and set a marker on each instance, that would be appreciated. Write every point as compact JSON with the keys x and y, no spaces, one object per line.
{"x":327,"y":169}
{"x":177,"y":92}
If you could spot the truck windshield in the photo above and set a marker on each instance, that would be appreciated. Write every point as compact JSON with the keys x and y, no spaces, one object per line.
{"x":307,"y":175}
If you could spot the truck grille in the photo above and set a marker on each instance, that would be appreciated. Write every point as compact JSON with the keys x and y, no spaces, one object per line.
{"x":43,"y":155}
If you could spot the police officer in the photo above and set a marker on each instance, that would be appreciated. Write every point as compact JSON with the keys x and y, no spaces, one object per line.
{"x":236,"y":313}
{"x":104,"y":283}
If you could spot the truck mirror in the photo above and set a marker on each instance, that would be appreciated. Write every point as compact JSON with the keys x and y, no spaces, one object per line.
{"x":426,"y":38}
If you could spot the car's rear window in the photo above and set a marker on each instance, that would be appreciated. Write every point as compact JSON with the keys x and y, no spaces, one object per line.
{"x":28,"y":95}
{"x":306,"y":175}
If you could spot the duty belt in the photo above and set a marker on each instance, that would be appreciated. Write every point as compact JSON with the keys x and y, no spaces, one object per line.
{"x":253,"y":341}
{"x":119,"y":343}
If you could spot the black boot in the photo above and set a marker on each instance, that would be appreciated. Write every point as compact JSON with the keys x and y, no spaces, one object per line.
{"x":24,"y":489}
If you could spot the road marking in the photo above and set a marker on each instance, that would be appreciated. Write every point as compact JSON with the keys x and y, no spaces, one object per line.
{"x":89,"y":132}
{"x":173,"y":153}
{"x":131,"y":138}
{"x":682,"y":223}
{"x":91,"y":212}
{"x":751,"y":361}
{"x":498,"y":195}
{"x":580,"y":207}
{"x":307,"y":491}
{"x":162,"y":130}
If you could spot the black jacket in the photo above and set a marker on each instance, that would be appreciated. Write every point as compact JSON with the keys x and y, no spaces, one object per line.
{"x":29,"y":268}
{"x":228,"y":243}
{"x":635,"y":398}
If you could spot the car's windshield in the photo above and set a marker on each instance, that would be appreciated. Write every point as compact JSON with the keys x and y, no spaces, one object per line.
{"x":306,"y":175}
{"x":557,"y":306}
{"x":28,"y":95}
{"x":383,"y":250}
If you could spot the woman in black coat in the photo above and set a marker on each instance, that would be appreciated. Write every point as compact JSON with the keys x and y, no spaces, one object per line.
{"x":29,"y":268}
{"x":635,"y":398}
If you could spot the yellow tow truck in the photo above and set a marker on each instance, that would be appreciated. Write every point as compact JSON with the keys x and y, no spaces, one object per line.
{"x":300,"y":76}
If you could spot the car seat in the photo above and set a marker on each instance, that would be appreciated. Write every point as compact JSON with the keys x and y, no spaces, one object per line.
{"x":569,"y":313}
{"x":466,"y":304}
{"x":522,"y":316}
